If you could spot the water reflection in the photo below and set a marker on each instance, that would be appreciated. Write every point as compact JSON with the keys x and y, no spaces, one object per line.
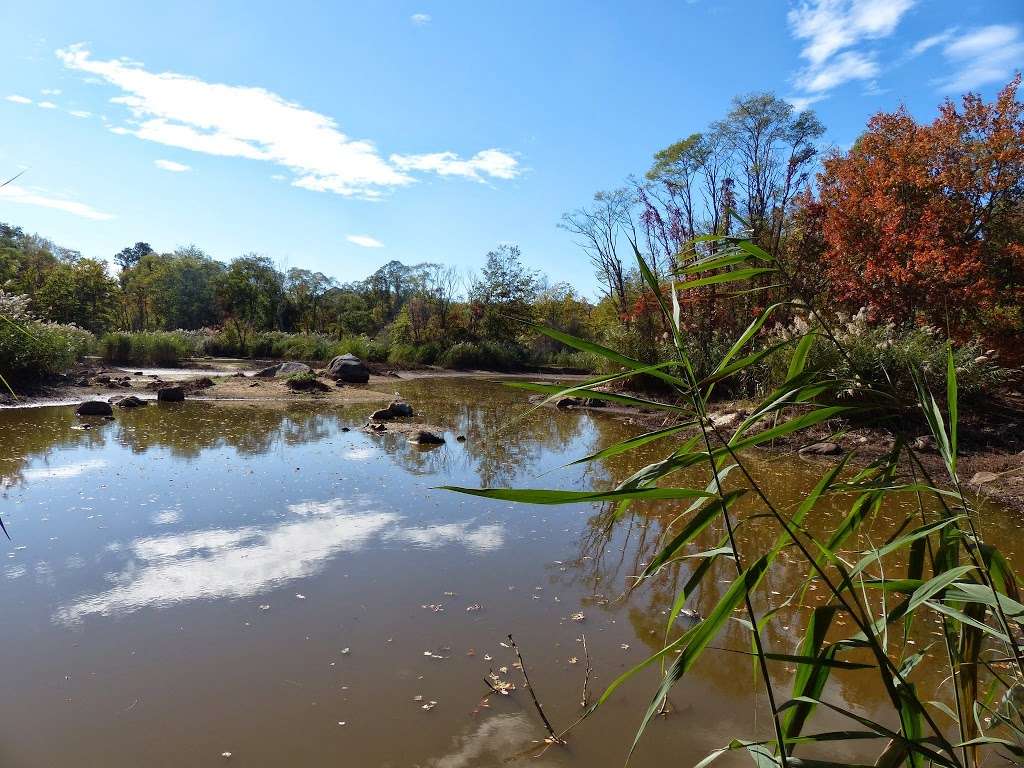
{"x":171,"y":517}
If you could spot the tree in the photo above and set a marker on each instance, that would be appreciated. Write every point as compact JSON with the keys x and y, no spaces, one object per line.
{"x":597,"y":229}
{"x":305,"y":291}
{"x":127,"y":258}
{"x":80,"y":292}
{"x":926,"y":219}
{"x":249,"y":293}
{"x":773,"y":151}
{"x":503,"y":293}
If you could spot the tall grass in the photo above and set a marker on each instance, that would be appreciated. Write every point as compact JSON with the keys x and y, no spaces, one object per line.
{"x":952,"y":576}
{"x":147,"y":347}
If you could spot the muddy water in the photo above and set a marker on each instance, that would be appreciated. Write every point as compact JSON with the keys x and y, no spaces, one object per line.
{"x":197,"y":579}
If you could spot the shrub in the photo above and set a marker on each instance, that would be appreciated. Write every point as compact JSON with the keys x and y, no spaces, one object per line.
{"x":147,"y":347}
{"x":488,"y":355}
{"x":883,"y":356}
{"x":33,"y":350}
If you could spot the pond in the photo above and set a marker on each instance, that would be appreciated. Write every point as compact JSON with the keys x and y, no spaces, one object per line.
{"x":191,"y":580}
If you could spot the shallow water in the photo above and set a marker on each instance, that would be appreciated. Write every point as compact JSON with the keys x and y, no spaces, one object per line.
{"x":195,"y":579}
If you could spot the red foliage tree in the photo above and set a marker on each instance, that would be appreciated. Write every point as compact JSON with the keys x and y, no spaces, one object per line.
{"x":923,"y":222}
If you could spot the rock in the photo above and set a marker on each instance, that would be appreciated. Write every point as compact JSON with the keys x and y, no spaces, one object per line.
{"x":980,"y":478}
{"x":304,"y":384}
{"x":137,"y":373}
{"x":346,"y":429}
{"x":924,"y":443}
{"x":113,"y":400}
{"x":238,"y":375}
{"x":822,"y":449}
{"x":461,"y":438}
{"x":254,"y":384}
{"x":170,"y":394}
{"x":422,"y":437}
{"x":131,"y":402}
{"x":383,"y":414}
{"x":94,"y":408}
{"x":204,"y":382}
{"x":348,"y":368}
{"x":725,"y":420}
{"x":595,"y":402}
{"x":399,"y":408}
{"x":567,"y":402}
{"x":267,"y":373}
{"x":82,"y":382}
{"x":291,"y":368}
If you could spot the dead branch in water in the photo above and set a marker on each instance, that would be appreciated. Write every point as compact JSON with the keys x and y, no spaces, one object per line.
{"x":536,"y":703}
{"x":586,"y":678}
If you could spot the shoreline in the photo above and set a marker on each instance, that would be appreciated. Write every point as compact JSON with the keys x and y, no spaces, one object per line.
{"x":991,"y":460}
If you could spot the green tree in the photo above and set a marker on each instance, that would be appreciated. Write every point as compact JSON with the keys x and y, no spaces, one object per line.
{"x":249,"y":293}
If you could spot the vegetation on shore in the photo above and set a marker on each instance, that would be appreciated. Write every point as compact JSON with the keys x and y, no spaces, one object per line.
{"x":860,"y":599}
{"x":913,"y":236}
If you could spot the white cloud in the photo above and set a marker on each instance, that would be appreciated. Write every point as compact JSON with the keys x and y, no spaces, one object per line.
{"x":982,"y":56}
{"x":170,"y":165}
{"x":800,"y":103}
{"x":420,"y":19}
{"x":18,"y":99}
{"x":849,"y":65}
{"x":489,"y":162}
{"x":79,"y":113}
{"x":833,"y":30}
{"x":51,"y":91}
{"x":254,"y":123}
{"x":364,"y":241}
{"x":930,"y":42}
{"x":46,"y":105}
{"x":15,"y":194}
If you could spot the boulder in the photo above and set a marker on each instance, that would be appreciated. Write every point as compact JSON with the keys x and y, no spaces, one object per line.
{"x":348,"y":368}
{"x":595,"y":402}
{"x":170,"y":394}
{"x":204,"y":382}
{"x":291,"y":368}
{"x":304,"y":384}
{"x":400,"y":408}
{"x":567,"y":402}
{"x":822,"y":449}
{"x":267,"y":373}
{"x":423,"y":437}
{"x":131,"y":402}
{"x":461,"y":438}
{"x":383,"y":414}
{"x":94,"y":408}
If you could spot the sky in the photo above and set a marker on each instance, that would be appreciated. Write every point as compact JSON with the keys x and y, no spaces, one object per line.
{"x":339,"y":136}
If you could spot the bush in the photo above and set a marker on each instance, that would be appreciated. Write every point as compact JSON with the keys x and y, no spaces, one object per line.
{"x":147,"y":347}
{"x":883,"y":356}
{"x":487,"y":355}
{"x":31,"y":350}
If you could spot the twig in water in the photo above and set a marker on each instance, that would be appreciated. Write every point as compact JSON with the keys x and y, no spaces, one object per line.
{"x":586,"y":678}
{"x":540,"y":709}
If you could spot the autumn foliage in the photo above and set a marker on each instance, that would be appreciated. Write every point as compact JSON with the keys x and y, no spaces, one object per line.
{"x":924,"y":222}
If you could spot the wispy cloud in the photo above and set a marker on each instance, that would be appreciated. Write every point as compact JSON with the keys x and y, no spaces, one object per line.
{"x":18,"y":99}
{"x":834,"y":33}
{"x":46,"y":105}
{"x":79,"y":113}
{"x":254,"y":123}
{"x":51,"y":91}
{"x":364,"y":241}
{"x":420,"y":19}
{"x":170,"y":165}
{"x":489,"y":162}
{"x":982,"y":56}
{"x":930,"y":42}
{"x":41,"y":199}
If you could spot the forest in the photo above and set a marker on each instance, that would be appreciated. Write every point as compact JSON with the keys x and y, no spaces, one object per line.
{"x":912,"y":235}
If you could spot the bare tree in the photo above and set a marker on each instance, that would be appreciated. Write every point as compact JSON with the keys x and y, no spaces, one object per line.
{"x":597,"y":230}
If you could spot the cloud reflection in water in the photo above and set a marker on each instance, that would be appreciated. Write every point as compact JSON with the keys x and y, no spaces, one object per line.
{"x":241,"y":562}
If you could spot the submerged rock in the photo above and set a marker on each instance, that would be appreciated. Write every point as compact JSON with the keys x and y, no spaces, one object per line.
{"x":170,"y":394}
{"x":94,"y":408}
{"x":348,"y":368}
{"x":567,"y":402}
{"x":423,"y":437}
{"x":131,"y":402}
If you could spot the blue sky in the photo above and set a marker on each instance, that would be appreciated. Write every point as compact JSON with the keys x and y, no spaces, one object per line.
{"x":339,"y":138}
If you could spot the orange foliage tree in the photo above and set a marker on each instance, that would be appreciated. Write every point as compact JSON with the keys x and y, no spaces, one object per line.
{"x":924,"y":222}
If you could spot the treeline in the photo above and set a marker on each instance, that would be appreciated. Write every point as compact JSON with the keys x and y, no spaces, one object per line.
{"x":163,"y":306}
{"x":913,"y":235}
